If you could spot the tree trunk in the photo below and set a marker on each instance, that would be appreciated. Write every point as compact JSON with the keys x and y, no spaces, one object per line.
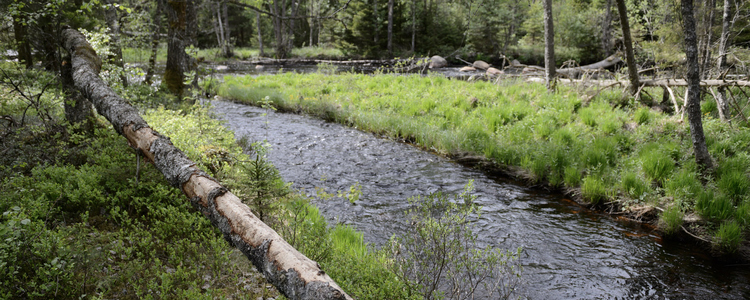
{"x":693,"y":107}
{"x":178,"y":61}
{"x":629,"y":54}
{"x":293,"y":274}
{"x":78,"y":110}
{"x":390,"y":27}
{"x":377,"y":22}
{"x":606,"y":29}
{"x":24,"y":48}
{"x":227,"y":30}
{"x":549,"y":46}
{"x":721,"y":98}
{"x":154,"y":43}
{"x":413,"y":25}
{"x":260,"y":33}
{"x":706,"y":52}
{"x":113,"y":22}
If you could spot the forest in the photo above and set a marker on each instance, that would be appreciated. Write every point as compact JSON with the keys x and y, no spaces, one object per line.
{"x":173,"y":149}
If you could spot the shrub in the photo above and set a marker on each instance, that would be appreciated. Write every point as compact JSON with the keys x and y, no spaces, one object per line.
{"x":728,"y":237}
{"x":440,"y":254}
{"x":671,"y":219}
{"x":593,"y":189}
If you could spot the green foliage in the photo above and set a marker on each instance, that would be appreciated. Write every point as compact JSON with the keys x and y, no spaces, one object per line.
{"x":439,"y":257}
{"x":728,"y":237}
{"x":657,"y":165}
{"x":593,"y":189}
{"x":634,"y":186}
{"x":684,"y":185}
{"x":715,"y":207}
{"x":642,"y":116}
{"x":734,"y":184}
{"x":671,"y":219}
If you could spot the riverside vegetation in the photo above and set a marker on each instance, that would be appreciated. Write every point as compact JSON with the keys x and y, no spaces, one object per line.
{"x":608,"y":150}
{"x":83,"y":218}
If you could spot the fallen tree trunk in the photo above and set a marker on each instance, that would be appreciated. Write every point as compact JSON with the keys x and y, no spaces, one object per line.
{"x":293,"y":274}
{"x":577,"y":71}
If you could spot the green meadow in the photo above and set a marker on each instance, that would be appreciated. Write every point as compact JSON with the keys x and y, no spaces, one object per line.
{"x":607,"y":150}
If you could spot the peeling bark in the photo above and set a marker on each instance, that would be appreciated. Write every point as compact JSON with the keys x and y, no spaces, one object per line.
{"x":692,"y":100}
{"x":293,"y":274}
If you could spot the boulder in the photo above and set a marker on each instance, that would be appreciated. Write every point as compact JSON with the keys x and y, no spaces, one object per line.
{"x":516,"y":64}
{"x":259,"y":67}
{"x":467,"y":69}
{"x":222,"y":68}
{"x":437,"y":62}
{"x":494,"y":72}
{"x":481,"y":65}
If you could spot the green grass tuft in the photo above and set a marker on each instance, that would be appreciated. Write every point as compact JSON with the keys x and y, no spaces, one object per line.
{"x":593,"y":189}
{"x":728,"y":237}
{"x":671,"y":219}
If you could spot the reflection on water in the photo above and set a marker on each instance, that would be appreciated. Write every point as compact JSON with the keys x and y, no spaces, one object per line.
{"x":569,"y":252}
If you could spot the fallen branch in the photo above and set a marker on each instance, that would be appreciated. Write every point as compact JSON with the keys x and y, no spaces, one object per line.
{"x":293,"y":274}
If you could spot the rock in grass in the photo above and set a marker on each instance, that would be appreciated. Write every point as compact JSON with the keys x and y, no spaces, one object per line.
{"x":481,"y":65}
{"x":494,"y":72}
{"x":437,"y":62}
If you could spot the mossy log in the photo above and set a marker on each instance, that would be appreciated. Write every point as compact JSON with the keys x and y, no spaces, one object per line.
{"x":293,"y":274}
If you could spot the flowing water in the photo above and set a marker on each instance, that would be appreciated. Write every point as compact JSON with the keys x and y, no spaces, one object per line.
{"x":569,"y":251}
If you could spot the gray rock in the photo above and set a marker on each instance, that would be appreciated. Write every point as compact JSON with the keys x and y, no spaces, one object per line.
{"x":481,"y":65}
{"x":437,"y":62}
{"x":467,"y":69}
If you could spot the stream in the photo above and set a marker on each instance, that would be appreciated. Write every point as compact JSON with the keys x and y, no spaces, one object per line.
{"x":569,"y":252}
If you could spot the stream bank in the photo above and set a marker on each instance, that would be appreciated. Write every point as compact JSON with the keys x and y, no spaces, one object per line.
{"x":570,"y":252}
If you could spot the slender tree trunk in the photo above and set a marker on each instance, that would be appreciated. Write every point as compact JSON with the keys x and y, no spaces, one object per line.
{"x":721,"y":66}
{"x":709,"y":22}
{"x":155,"y":37}
{"x":606,"y":29}
{"x":390,"y":27}
{"x":549,"y":46}
{"x":178,"y":61}
{"x":376,"y":36}
{"x":293,"y":274}
{"x":260,"y":32}
{"x":413,"y":25}
{"x":693,"y":107}
{"x":227,"y":30}
{"x":24,"y":48}
{"x":113,"y":22}
{"x":629,"y":54}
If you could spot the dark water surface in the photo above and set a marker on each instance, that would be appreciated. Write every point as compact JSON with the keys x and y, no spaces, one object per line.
{"x":569,"y":251}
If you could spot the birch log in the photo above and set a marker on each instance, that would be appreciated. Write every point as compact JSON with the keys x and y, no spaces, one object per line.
{"x":293,"y":274}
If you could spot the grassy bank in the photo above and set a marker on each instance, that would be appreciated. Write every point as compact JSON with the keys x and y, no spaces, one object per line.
{"x":609,"y":150}
{"x":141,"y":55}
